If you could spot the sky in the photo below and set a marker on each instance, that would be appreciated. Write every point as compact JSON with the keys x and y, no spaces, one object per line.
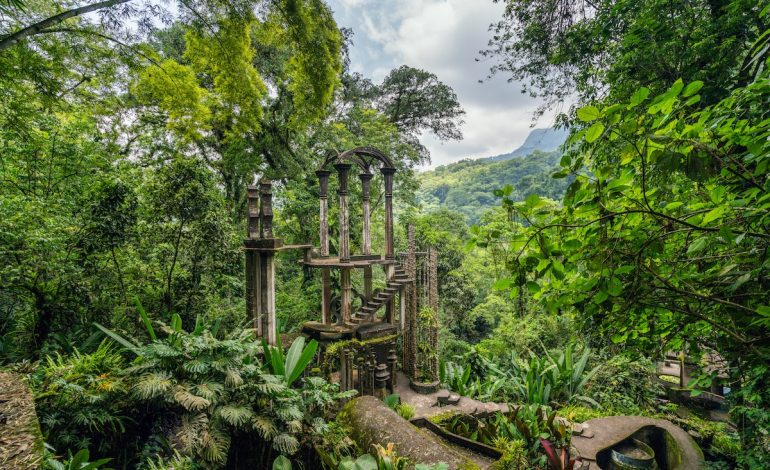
{"x":443,"y":37}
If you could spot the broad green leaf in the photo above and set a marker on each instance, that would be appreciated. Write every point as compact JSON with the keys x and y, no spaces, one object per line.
{"x":281,"y":463}
{"x":639,"y":95}
{"x":713,"y":214}
{"x":692,"y":88}
{"x":594,"y":132}
{"x":615,"y":287}
{"x":588,"y":113}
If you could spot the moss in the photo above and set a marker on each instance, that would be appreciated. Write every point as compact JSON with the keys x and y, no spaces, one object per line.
{"x":442,"y":417}
{"x":332,"y":352}
{"x":581,"y":414}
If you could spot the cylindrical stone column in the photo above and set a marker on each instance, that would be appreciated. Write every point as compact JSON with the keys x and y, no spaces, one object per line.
{"x":387,"y":174}
{"x":323,"y":181}
{"x":366,"y":179}
{"x":344,"y":247}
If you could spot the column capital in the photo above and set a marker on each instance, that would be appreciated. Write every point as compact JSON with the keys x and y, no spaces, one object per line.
{"x":366,"y":176}
{"x":387,"y":170}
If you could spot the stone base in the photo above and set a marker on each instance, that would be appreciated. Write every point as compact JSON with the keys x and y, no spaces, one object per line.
{"x":424,"y":388}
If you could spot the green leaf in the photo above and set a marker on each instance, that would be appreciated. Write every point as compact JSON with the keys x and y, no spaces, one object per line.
{"x":281,"y":463}
{"x":713,"y":214}
{"x":588,"y":113}
{"x":764,"y":310}
{"x":692,"y":88}
{"x":145,"y":319}
{"x":594,"y":132}
{"x":615,"y":287}
{"x":639,"y":95}
{"x":697,"y":245}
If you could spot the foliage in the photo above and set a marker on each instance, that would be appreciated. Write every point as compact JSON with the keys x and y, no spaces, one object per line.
{"x":294,"y":363}
{"x":625,"y":385}
{"x":405,"y":410}
{"x":79,"y":461}
{"x":609,"y":48}
{"x":80,"y":399}
{"x":536,"y":426}
{"x":466,"y":186}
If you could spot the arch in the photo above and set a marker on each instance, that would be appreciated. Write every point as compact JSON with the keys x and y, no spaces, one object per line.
{"x":359,"y":156}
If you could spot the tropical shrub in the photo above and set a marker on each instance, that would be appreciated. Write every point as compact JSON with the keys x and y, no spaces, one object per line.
{"x":81,"y":399}
{"x":625,"y":385}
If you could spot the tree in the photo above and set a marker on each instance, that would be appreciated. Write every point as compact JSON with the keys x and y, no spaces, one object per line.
{"x":596,"y":49}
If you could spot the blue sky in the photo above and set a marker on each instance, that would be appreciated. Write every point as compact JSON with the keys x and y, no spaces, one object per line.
{"x":443,"y":37}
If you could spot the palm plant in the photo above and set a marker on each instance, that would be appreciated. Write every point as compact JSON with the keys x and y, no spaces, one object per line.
{"x":570,"y":377}
{"x":217,"y":386}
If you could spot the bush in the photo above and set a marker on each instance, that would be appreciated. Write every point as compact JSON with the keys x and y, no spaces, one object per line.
{"x":530,"y":332}
{"x":625,"y":385}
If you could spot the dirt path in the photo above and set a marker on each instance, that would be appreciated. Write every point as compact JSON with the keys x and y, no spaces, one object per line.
{"x":21,"y":445}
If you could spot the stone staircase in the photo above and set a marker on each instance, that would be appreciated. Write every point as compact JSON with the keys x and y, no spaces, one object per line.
{"x":367,"y":312}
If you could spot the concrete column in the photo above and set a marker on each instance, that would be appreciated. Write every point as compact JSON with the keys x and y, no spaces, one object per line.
{"x":368,"y":282}
{"x":326,"y":296}
{"x":344,"y":247}
{"x":390,"y":305}
{"x":346,"y":295}
{"x":323,"y":180}
{"x":266,"y":208}
{"x":388,"y":176}
{"x":326,"y":292}
{"x":267,"y":301}
{"x":366,"y":179}
{"x":252,"y":196}
{"x":252,"y":258}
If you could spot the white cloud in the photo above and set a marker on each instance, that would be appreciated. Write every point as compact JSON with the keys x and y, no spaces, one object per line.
{"x":443,"y":37}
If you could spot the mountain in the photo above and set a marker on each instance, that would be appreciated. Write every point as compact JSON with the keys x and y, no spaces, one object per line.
{"x":545,"y":140}
{"x":467,"y":186}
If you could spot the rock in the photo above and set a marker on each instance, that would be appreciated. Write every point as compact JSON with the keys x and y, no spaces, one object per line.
{"x":371,"y":423}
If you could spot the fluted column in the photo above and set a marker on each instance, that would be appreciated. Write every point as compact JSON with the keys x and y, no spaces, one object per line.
{"x":326,"y":290}
{"x":323,"y":180}
{"x":388,"y":176}
{"x":366,"y":179}
{"x":344,"y":247}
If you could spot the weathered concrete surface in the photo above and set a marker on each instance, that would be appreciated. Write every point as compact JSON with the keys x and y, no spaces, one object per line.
{"x":21,"y":444}
{"x":371,"y":422}
{"x":425,"y":404}
{"x":608,"y":431}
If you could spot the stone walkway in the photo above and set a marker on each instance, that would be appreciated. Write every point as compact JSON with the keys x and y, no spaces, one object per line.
{"x":426,"y":406}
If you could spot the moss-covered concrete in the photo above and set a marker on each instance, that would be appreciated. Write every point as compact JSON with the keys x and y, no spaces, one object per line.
{"x":21,"y":444}
{"x":370,"y":422}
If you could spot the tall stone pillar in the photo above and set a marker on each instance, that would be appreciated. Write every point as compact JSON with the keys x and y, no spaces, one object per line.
{"x":366,"y":179}
{"x":344,"y":246}
{"x":252,"y":259}
{"x":388,"y":176}
{"x":267,"y":324}
{"x":326,"y":290}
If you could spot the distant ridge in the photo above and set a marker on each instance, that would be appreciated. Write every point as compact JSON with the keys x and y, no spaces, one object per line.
{"x":545,"y":140}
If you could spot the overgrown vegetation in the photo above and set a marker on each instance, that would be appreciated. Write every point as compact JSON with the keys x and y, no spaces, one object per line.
{"x":128,"y":138}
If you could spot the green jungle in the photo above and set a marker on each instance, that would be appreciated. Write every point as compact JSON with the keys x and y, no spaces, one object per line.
{"x":568,"y":278}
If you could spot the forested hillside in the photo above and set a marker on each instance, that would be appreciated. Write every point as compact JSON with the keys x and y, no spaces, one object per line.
{"x":468,"y":186}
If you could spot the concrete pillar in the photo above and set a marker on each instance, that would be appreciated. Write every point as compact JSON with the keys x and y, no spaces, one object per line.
{"x":344,"y":247}
{"x":267,"y":328}
{"x":326,"y":290}
{"x":388,"y":176}
{"x":346,"y":295}
{"x":252,"y":258}
{"x":266,"y":208}
{"x":323,"y":180}
{"x":368,"y":282}
{"x":366,"y":179}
